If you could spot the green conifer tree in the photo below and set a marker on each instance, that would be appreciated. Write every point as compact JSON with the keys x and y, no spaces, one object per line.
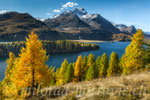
{"x":147,"y":56}
{"x":84,"y":67}
{"x":113,"y":65}
{"x":90,"y":61}
{"x":69,"y":73}
{"x":97,"y":68}
{"x":60,"y":73}
{"x":103,"y":65}
{"x":10,"y":67}
{"x":84,"y":61}
{"x":91,"y":72}
{"x":98,"y":61}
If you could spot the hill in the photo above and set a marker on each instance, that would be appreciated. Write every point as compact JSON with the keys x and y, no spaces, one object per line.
{"x":131,"y":87}
{"x":16,"y":26}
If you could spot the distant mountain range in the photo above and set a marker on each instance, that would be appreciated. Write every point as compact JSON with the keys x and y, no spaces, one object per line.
{"x":148,"y":33}
{"x":76,"y":24}
{"x":86,"y":26}
{"x":130,"y":29}
{"x":125,"y":29}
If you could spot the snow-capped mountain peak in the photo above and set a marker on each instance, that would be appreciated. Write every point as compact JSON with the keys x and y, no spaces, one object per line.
{"x":41,"y":19}
{"x":67,"y":12}
{"x":125,"y":28}
{"x":80,"y":11}
{"x":147,"y":33}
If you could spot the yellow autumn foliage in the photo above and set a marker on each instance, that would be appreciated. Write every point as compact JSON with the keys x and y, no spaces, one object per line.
{"x":132,"y":60}
{"x":78,"y":71}
{"x":30,"y":68}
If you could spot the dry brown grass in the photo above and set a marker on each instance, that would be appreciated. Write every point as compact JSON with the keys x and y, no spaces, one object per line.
{"x":132,"y":87}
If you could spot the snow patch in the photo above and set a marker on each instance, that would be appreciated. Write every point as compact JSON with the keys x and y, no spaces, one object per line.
{"x":90,"y":16}
{"x":3,"y":11}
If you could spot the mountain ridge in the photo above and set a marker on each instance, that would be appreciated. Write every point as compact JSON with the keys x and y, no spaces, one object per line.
{"x":69,"y":25}
{"x":84,"y":25}
{"x":16,"y":26}
{"x":125,"y":29}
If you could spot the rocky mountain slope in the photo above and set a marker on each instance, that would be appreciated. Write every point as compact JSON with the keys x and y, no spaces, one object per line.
{"x":147,"y":33}
{"x":16,"y":26}
{"x":83,"y":25}
{"x":129,"y":30}
{"x":70,"y":25}
{"x":125,"y":29}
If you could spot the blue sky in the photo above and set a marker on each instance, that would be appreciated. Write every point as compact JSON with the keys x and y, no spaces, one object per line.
{"x":130,"y":12}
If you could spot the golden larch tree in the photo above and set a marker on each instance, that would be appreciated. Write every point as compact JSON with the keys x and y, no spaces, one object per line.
{"x":60,"y":73}
{"x":30,"y":68}
{"x":133,"y":59}
{"x":10,"y":66}
{"x":78,"y":70}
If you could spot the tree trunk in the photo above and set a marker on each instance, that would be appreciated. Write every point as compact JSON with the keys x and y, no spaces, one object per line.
{"x":33,"y":81}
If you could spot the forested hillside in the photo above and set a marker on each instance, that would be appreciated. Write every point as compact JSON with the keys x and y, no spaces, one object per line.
{"x":52,"y":47}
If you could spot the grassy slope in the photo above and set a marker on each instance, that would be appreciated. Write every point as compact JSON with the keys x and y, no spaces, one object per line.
{"x":131,"y":87}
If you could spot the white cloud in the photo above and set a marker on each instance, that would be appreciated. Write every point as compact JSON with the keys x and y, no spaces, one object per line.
{"x":65,"y":6}
{"x":3,"y":11}
{"x":69,"y":5}
{"x":57,"y":11}
{"x":48,"y":14}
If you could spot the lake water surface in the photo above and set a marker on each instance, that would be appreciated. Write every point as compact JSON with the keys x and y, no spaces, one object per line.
{"x":57,"y":59}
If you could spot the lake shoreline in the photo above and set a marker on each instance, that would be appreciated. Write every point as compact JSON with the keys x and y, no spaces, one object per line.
{"x":83,"y":41}
{"x":92,"y":41}
{"x":57,"y":59}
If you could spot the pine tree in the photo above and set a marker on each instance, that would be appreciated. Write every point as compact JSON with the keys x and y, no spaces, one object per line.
{"x":69,"y":74}
{"x":97,"y":68}
{"x":51,"y":69}
{"x":90,"y":61}
{"x":98,"y":61}
{"x":78,"y":71}
{"x":113,"y":65}
{"x":7,"y":82}
{"x":10,"y":67}
{"x":57,"y":76}
{"x":103,"y":65}
{"x":120,"y":71}
{"x":73,"y":65}
{"x":61,"y":73}
{"x":91,"y":72}
{"x":133,"y":59}
{"x":84,"y":61}
{"x":147,"y":55}
{"x":84,"y":67}
{"x":30,"y":68}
